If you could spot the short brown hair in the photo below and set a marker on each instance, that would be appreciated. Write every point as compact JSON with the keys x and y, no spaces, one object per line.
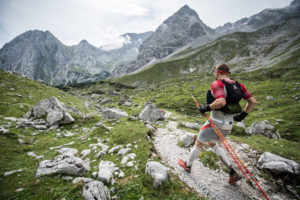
{"x":223,"y":68}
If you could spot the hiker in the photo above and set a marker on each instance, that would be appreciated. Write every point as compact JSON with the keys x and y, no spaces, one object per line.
{"x":223,"y":102}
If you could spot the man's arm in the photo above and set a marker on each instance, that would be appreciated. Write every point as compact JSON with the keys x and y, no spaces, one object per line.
{"x":218,"y":103}
{"x":251,"y":103}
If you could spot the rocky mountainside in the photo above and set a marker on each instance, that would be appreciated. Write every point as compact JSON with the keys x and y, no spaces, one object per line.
{"x":175,"y":32}
{"x":264,"y":18}
{"x":40,"y":56}
{"x":179,"y":33}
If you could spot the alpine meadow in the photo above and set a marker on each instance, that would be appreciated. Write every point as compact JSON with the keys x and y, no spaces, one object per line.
{"x":87,"y":122}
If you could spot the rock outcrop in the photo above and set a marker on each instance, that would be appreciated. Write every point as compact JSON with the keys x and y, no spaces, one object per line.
{"x":151,"y":114}
{"x":63,"y":164}
{"x":264,"y":128}
{"x":277,"y":164}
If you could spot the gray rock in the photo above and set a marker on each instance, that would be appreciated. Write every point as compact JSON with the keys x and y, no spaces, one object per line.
{"x":13,"y":172}
{"x":24,"y":123}
{"x":151,"y":113}
{"x":190,"y":125}
{"x":13,"y":119}
{"x":241,"y":124}
{"x":63,"y":164}
{"x":121,"y":174}
{"x":39,"y":122}
{"x":3,"y":130}
{"x":95,"y":190}
{"x":100,"y":154}
{"x":105,"y":173}
{"x":101,"y":124}
{"x":21,"y":141}
{"x":19,"y":190}
{"x":158,"y":172}
{"x":263,"y":128}
{"x":122,"y":152}
{"x":40,"y":127}
{"x":32,"y":154}
{"x":53,"y":117}
{"x":68,"y":119}
{"x":83,"y":179}
{"x":276,"y":163}
{"x":85,"y":152}
{"x":67,"y":151}
{"x":114,"y":149}
{"x":28,"y":114}
{"x":54,"y":127}
{"x":187,"y":139}
{"x":113,"y":113}
{"x":269,"y":98}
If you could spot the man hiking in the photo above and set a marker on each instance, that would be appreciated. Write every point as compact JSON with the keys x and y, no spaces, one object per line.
{"x":223,"y":102}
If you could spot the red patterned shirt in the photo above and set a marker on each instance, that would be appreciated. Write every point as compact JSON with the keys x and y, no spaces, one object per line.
{"x":218,"y":89}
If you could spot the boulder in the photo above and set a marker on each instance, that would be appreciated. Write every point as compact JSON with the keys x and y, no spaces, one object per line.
{"x":190,"y":125}
{"x":63,"y":164}
{"x":95,"y":190}
{"x":54,"y":110}
{"x":276,"y":163}
{"x":113,"y":113}
{"x":151,"y":113}
{"x":105,"y":173}
{"x":13,"y":119}
{"x":158,"y":172}
{"x":264,"y":128}
{"x":187,"y":139}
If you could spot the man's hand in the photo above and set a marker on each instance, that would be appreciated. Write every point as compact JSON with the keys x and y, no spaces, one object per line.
{"x":204,"y":109}
{"x":240,"y":116}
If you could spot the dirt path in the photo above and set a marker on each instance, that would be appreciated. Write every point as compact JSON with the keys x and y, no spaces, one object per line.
{"x":210,"y":183}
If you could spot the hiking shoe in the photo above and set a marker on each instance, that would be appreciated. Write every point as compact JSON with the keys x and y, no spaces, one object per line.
{"x":183,"y":165}
{"x":233,"y":177}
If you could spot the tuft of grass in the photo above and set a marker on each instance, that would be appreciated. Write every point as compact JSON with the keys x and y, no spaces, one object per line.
{"x":209,"y":159}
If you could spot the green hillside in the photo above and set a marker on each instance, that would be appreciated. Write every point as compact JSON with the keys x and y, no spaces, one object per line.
{"x":18,"y":95}
{"x":242,"y":51}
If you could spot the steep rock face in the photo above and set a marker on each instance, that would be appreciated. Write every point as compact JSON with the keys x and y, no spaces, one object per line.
{"x":40,"y":56}
{"x":175,"y":32}
{"x":262,"y":19}
{"x":35,"y":54}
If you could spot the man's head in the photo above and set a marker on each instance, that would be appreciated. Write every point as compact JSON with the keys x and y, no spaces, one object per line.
{"x":221,"y":71}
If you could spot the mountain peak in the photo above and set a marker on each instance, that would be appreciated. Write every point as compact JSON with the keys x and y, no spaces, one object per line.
{"x":186,"y":10}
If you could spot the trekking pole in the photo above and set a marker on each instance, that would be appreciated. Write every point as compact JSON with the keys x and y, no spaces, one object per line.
{"x":224,"y":139}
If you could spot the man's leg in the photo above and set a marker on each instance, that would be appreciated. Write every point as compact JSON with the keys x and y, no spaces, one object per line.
{"x":193,"y":155}
{"x":220,"y":152}
{"x":233,"y":177}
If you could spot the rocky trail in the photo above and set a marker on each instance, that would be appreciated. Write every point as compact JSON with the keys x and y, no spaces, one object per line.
{"x":210,"y":183}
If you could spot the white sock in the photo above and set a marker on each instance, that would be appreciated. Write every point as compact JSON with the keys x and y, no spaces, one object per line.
{"x":193,"y":155}
{"x":220,"y":152}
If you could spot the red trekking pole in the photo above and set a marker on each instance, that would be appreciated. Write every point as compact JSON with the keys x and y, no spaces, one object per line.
{"x":223,"y":139}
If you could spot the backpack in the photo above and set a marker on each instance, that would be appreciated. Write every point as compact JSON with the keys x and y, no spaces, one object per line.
{"x":234,"y":95}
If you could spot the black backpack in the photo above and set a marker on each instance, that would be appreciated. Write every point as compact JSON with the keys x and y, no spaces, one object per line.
{"x":234,"y":95}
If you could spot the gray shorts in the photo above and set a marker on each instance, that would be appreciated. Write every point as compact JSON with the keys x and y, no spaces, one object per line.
{"x":207,"y":133}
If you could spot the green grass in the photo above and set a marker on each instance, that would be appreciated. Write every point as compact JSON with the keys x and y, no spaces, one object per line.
{"x":14,"y":155}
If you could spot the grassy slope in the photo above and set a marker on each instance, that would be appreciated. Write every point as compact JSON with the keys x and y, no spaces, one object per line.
{"x":281,"y":84}
{"x":13,"y":156}
{"x":247,"y":47}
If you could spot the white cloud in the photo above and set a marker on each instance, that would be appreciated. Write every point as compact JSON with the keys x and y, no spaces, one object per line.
{"x":101,"y":22}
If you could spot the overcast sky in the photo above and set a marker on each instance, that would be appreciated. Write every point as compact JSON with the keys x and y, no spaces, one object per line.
{"x":101,"y":22}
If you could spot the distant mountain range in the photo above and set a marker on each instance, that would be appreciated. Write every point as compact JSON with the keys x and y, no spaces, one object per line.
{"x":39,"y":55}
